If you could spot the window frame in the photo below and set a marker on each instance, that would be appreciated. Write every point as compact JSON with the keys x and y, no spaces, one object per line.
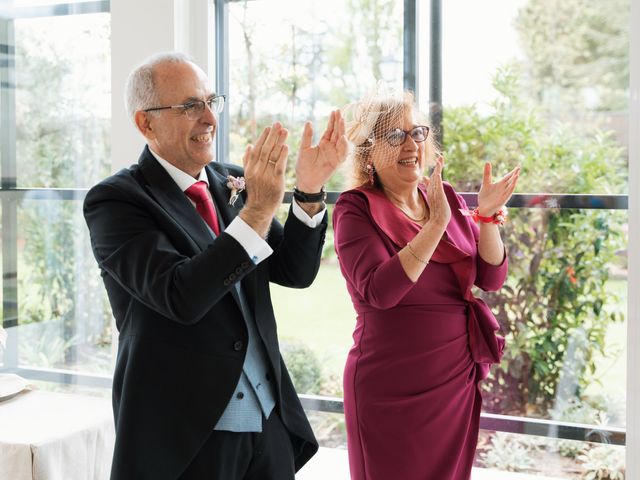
{"x":10,"y":196}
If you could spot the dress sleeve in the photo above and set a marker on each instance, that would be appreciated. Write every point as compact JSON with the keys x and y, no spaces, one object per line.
{"x":375,"y":273}
{"x":488,"y":277}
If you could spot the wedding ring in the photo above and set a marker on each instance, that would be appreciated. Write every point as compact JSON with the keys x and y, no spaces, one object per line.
{"x":272,"y":162}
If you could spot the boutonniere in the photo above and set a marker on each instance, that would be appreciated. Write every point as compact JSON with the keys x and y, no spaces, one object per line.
{"x":236,"y":185}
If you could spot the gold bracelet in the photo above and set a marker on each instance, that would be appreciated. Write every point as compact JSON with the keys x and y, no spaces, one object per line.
{"x":426,"y":262}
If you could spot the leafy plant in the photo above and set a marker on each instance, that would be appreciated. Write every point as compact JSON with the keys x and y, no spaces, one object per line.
{"x":62,"y":141}
{"x":576,"y":52}
{"x":43,"y":346}
{"x":554,"y":308}
{"x":303,"y":366}
{"x":506,"y":453}
{"x":603,"y":462}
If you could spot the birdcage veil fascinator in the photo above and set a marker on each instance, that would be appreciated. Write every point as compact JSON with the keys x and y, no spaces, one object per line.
{"x":369,"y":122}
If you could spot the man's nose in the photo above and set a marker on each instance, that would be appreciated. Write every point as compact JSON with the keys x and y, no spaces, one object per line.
{"x":208,"y":115}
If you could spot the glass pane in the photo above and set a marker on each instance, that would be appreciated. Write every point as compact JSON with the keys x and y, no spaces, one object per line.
{"x":38,"y":3}
{"x":292,"y":62}
{"x":295,"y":61}
{"x":547,"y":457}
{"x":315,"y":344}
{"x":3,"y":333}
{"x":548,"y":90}
{"x":64,"y":316}
{"x":542,"y":84}
{"x":63,"y":100}
{"x":563,"y":312}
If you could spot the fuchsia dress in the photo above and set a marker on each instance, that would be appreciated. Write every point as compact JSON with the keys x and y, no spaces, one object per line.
{"x":411,"y":397}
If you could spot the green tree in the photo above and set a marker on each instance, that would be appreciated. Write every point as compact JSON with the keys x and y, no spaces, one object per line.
{"x":554,"y":308}
{"x":62,"y":141}
{"x":577,"y":53}
{"x":316,"y":66}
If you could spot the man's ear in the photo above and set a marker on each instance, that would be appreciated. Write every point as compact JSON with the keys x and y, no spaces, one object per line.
{"x":143,"y":122}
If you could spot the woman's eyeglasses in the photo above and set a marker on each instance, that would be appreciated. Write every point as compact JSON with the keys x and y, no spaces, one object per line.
{"x":397,"y":136}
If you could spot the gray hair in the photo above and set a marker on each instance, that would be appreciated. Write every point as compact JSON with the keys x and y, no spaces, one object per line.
{"x":140,"y":92}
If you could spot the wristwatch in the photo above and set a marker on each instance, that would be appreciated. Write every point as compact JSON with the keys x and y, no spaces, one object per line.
{"x":304,"y":197}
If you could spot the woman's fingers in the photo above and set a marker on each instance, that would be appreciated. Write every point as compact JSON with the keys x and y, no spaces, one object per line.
{"x":486,"y":174}
{"x":510,"y":175}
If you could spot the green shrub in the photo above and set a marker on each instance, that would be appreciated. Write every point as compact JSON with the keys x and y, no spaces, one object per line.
{"x":554,"y":309}
{"x":603,"y":462}
{"x":303,"y":365}
{"x":506,"y":453}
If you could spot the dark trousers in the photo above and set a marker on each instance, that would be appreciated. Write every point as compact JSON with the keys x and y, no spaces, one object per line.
{"x":265,"y":455}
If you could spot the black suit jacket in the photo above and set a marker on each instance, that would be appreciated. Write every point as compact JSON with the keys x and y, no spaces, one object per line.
{"x":182,"y":335}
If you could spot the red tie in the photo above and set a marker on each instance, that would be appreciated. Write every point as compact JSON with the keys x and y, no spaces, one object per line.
{"x":204,"y":205}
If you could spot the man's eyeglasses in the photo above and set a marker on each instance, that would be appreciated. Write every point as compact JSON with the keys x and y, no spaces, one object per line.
{"x":397,"y":136}
{"x":195,"y":108}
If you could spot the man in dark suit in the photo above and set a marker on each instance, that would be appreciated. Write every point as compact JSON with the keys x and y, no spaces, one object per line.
{"x":200,"y":390}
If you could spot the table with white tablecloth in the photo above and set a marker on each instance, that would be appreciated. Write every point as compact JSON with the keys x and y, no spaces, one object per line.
{"x":55,"y":436}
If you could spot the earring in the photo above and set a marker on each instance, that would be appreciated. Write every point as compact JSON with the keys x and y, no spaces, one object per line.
{"x":370,"y":172}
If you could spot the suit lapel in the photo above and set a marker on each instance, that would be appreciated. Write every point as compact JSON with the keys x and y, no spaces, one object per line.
{"x":173,"y":200}
{"x":221,"y":194}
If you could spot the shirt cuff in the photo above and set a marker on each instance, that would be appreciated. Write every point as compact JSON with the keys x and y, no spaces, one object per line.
{"x":311,"y":222}
{"x":256,"y":247}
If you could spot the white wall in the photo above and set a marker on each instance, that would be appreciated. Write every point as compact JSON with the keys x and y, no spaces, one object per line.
{"x":141,"y":28}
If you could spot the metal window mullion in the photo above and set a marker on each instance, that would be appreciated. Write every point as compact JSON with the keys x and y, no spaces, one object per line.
{"x":10,"y":279}
{"x":222,"y":76}
{"x":555,"y":429}
{"x":56,"y":10}
{"x":435,"y":70}
{"x":8,"y":174}
{"x":411,"y":48}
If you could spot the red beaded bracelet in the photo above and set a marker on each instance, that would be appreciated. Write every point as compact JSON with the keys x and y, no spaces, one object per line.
{"x":498,"y":218}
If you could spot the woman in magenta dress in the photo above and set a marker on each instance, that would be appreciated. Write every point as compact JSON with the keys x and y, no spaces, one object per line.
{"x":410,"y":252}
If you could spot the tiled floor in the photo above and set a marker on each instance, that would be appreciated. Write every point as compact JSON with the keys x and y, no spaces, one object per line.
{"x":331,"y":464}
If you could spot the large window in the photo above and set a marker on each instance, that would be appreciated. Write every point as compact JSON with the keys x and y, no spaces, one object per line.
{"x":557,"y":105}
{"x":542,"y":84}
{"x":295,"y":66}
{"x":539,"y":84}
{"x":55,"y":116}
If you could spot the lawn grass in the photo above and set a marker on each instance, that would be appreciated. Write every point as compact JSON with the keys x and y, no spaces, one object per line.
{"x":323,"y":318}
{"x":611,"y":371}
